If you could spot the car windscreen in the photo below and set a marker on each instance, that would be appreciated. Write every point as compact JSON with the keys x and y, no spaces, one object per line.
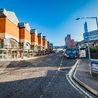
{"x":70,"y":51}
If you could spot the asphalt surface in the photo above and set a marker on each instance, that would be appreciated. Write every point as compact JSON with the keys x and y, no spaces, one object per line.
{"x":43,"y":77}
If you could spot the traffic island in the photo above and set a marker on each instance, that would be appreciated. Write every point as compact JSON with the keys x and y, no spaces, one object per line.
{"x":84,"y":78}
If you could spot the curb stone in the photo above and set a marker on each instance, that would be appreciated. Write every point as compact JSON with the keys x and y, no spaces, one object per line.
{"x":93,"y":91}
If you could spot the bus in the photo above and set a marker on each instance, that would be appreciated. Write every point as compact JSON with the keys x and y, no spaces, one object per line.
{"x":71,"y":53}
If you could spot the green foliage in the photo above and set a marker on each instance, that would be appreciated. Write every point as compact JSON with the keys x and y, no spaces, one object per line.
{"x":94,"y":53}
{"x":94,"y":49}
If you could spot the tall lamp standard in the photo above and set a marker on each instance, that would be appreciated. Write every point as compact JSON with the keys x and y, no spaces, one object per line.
{"x":88,"y":38}
{"x":89,"y":18}
{"x":91,"y":64}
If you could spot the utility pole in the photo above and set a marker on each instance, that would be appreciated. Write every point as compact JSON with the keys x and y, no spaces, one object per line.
{"x":89,"y":18}
{"x":88,"y":45}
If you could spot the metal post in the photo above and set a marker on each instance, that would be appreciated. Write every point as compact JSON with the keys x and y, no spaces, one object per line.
{"x":97,"y":22}
{"x":89,"y":51}
{"x":89,"y":18}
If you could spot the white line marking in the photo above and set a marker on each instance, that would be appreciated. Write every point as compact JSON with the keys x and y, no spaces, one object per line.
{"x":60,"y":64}
{"x":75,"y":85}
{"x":49,"y":83}
{"x":59,"y":69}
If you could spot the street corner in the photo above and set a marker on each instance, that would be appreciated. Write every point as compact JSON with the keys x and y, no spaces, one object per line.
{"x":83,"y":77}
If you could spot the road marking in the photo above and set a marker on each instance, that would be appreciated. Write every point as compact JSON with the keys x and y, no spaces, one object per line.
{"x":75,"y":85}
{"x":63,"y":69}
{"x":60,"y":64}
{"x":41,"y":96}
{"x":49,"y":83}
{"x":59,"y":69}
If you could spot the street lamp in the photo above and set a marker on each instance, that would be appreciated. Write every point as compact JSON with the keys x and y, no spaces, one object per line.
{"x":89,"y":18}
{"x":88,"y":39}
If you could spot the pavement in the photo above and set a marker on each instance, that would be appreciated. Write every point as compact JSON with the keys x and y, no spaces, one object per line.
{"x":84,"y":78}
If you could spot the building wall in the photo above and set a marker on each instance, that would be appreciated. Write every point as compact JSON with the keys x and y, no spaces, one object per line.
{"x":34,"y":39}
{"x":40,"y":41}
{"x":91,"y":35}
{"x":69,"y":43}
{"x":46,"y":44}
{"x":12,"y":30}
{"x":8,"y":29}
{"x":2,"y":26}
{"x":21,"y":33}
{"x":27,"y":36}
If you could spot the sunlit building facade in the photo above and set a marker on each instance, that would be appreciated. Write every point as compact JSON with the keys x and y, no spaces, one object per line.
{"x":40,"y":42}
{"x":34,"y":40}
{"x":44,"y":43}
{"x":24,"y":35}
{"x":9,"y":31}
{"x":17,"y":39}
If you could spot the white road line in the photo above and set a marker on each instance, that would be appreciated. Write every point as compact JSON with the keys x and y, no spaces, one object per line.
{"x":75,"y":85}
{"x":49,"y":83}
{"x":60,"y":64}
{"x":59,"y":69}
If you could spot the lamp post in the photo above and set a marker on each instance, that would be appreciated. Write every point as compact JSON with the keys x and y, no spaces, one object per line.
{"x":89,"y":18}
{"x":88,"y":38}
{"x":91,"y":65}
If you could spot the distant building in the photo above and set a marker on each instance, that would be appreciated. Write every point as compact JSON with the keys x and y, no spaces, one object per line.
{"x":34,"y":40}
{"x":40,"y":41}
{"x":51,"y":46}
{"x":44,"y":43}
{"x":90,"y":35}
{"x":69,"y":43}
{"x":48,"y":44}
{"x":24,"y":35}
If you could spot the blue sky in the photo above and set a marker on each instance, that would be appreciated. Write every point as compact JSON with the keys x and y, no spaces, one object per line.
{"x":55,"y":18}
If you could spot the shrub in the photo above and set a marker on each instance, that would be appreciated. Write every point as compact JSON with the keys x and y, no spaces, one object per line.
{"x":94,"y":53}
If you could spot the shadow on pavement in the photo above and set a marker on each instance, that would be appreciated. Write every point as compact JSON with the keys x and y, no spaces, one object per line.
{"x":51,"y":61}
{"x":53,"y":85}
{"x":48,"y":62}
{"x":26,"y":88}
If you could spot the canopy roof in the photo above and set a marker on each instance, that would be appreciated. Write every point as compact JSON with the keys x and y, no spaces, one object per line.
{"x":10,"y":15}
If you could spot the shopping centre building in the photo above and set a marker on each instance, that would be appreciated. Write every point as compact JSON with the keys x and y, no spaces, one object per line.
{"x":90,"y":36}
{"x":17,"y":39}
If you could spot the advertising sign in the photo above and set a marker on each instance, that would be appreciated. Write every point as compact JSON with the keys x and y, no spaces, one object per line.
{"x":82,"y":53}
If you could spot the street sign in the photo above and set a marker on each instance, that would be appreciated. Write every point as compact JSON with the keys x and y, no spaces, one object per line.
{"x":82,"y":53}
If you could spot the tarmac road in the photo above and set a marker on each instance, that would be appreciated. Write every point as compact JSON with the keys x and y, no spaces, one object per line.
{"x":44,"y":77}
